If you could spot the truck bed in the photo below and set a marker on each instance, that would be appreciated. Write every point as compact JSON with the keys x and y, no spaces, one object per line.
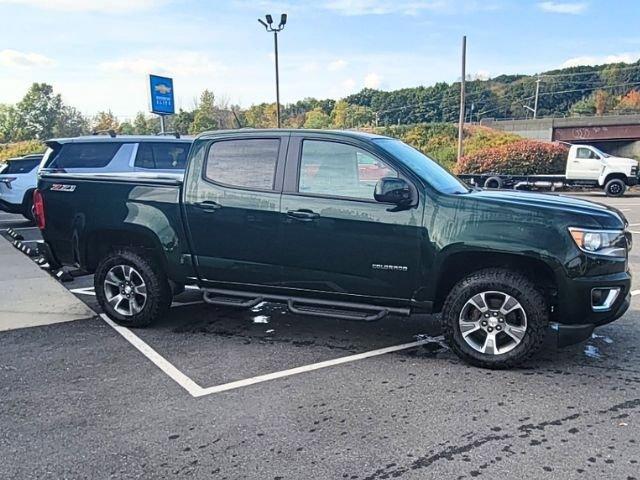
{"x":88,"y":213}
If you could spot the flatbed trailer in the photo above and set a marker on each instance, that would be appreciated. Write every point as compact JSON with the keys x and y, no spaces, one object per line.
{"x":527,"y":182}
{"x":586,"y":167}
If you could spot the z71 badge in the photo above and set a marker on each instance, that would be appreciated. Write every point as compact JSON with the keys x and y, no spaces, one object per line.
{"x":61,"y":187}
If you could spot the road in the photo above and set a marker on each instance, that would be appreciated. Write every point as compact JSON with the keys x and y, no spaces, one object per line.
{"x":84,"y":400}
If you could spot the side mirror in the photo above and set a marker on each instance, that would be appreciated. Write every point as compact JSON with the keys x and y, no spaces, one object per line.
{"x":393,"y":190}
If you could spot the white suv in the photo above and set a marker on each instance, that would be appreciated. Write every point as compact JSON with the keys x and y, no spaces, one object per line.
{"x":18,"y":179}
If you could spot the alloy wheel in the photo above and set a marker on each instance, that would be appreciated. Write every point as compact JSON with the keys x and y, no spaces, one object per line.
{"x":125,"y":290}
{"x":493,"y":322}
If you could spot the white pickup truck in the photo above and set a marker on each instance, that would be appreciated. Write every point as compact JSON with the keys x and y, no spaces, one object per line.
{"x":587,"y":167}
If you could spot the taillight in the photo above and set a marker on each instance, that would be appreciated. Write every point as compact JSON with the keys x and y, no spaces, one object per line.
{"x":38,"y":209}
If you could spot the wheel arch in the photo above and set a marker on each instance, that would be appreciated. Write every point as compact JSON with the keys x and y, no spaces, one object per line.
{"x":100,"y":242}
{"x":606,"y":177}
{"x":458,"y":265}
{"x":28,"y":195}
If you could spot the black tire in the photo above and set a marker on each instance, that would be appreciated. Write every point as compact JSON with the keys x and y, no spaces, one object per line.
{"x":27,"y":207}
{"x":615,"y":187}
{"x":158,"y":292}
{"x":499,"y":280}
{"x":493,"y":183}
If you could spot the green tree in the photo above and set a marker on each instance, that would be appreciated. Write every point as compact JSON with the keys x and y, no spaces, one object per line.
{"x":205,"y":115}
{"x":144,"y":125}
{"x":71,"y":123}
{"x":8,"y":123}
{"x":181,"y":122}
{"x":38,"y":112}
{"x":127,"y":128}
{"x":106,"y":121}
{"x":339,"y":114}
{"x":317,"y":118}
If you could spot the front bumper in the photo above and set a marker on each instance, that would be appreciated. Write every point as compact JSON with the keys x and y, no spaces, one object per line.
{"x":575,"y":318}
{"x":567,"y":334}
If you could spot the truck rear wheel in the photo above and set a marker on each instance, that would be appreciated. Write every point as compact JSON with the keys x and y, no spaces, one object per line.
{"x":495,"y":318}
{"x":131,"y":288}
{"x":615,"y":187}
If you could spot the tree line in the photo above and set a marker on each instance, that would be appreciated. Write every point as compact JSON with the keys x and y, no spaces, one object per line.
{"x":583,"y":90}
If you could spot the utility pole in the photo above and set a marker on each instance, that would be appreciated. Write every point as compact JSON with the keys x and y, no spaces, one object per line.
{"x":268,"y":25}
{"x":535,"y":103}
{"x":462,"y":95}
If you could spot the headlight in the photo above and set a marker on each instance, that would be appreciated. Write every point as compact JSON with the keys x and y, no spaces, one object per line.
{"x":611,"y":243}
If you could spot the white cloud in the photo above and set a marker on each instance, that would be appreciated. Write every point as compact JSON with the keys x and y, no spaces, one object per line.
{"x":14,"y":58}
{"x":349,"y":84}
{"x":176,"y":63}
{"x":372,"y":80}
{"x":600,"y":60}
{"x":337,"y":65}
{"x":102,"y":6}
{"x":571,"y":8}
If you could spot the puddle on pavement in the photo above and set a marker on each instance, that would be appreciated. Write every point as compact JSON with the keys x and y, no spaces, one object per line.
{"x":593,"y":348}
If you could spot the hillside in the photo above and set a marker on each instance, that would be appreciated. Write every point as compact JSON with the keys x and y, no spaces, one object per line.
{"x":576,"y":90}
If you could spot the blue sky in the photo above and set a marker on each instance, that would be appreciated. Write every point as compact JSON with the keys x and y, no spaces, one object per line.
{"x":98,"y":53}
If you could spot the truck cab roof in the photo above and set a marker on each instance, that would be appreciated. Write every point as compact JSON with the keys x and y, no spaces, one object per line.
{"x":271,"y":131}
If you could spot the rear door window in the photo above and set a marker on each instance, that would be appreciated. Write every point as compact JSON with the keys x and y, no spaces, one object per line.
{"x":162,"y":155}
{"x":20,"y":166}
{"x":85,"y":155}
{"x":249,"y":163}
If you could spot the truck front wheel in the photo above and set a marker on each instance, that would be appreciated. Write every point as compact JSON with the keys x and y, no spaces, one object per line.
{"x":615,"y":187}
{"x":131,"y":288}
{"x":495,"y":318}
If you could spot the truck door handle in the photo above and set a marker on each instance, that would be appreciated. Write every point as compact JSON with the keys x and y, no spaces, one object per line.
{"x":303,"y":215}
{"x":208,"y":206}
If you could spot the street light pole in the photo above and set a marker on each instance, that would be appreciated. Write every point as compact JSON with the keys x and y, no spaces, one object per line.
{"x":462,"y":96}
{"x":268,"y":25}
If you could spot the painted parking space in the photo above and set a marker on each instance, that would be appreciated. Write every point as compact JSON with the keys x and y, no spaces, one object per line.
{"x":410,"y":414}
{"x":232,"y":340}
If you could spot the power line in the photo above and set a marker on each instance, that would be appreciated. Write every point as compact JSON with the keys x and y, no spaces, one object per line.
{"x":558,"y":93}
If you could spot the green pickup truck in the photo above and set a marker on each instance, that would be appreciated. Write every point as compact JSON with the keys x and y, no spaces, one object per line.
{"x":345,"y":225}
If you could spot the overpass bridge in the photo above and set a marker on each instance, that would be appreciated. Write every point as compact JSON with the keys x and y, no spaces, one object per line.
{"x":614,"y":134}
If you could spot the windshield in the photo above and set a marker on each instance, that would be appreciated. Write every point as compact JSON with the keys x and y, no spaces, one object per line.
{"x":600,"y":152}
{"x":435,"y":175}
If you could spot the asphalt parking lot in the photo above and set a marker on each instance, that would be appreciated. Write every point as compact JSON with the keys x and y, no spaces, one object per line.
{"x":264,"y":394}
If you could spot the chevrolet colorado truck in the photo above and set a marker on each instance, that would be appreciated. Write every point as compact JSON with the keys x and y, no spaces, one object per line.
{"x":288,"y":216}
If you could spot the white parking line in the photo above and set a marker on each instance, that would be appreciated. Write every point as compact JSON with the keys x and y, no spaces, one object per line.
{"x":635,"y":292}
{"x":196,"y":390}
{"x":163,"y":364}
{"x":84,"y":291}
{"x":309,"y":368}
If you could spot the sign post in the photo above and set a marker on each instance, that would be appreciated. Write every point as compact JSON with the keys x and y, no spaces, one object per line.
{"x":162,"y":102}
